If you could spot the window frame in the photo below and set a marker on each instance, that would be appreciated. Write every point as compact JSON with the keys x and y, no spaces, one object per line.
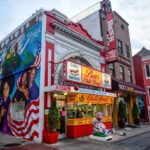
{"x":122,"y":73}
{"x":130,"y":75}
{"x":120,"y":47}
{"x":127,"y":49}
{"x":147,"y":77}
{"x":112,"y":69}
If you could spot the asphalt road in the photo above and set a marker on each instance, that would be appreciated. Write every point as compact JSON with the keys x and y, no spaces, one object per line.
{"x":140,"y":142}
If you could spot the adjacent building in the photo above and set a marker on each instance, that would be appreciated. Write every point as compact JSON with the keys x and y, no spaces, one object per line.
{"x":141,"y":62}
{"x":103,"y":23}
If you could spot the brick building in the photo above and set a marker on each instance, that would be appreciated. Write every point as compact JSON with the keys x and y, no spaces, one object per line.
{"x":141,"y":62}
{"x":103,"y":23}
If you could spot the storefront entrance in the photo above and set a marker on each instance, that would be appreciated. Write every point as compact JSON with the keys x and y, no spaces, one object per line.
{"x":61,"y":106}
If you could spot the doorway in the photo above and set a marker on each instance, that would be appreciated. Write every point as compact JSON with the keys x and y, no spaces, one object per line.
{"x":127,"y":113}
{"x":61,"y":106}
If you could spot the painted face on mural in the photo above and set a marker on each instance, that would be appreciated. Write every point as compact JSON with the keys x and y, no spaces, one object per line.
{"x":24,"y":78}
{"x":32,"y":75}
{"x":6,"y":91}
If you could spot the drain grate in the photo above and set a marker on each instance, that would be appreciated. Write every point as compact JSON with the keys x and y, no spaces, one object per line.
{"x":12,"y":144}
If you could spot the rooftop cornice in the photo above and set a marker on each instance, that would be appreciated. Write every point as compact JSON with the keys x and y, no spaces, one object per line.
{"x":76,"y":35}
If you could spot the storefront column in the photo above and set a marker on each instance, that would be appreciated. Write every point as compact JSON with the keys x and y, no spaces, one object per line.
{"x":115,"y":113}
{"x":130,"y":105}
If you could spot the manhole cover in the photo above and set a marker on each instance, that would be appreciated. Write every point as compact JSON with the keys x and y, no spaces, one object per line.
{"x":12,"y":144}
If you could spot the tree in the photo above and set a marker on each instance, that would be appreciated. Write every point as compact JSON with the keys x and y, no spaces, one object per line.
{"x":136,"y":113}
{"x":53,"y":117}
{"x":122,"y":114}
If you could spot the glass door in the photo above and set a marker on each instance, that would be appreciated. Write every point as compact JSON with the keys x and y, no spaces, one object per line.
{"x":61,"y":105}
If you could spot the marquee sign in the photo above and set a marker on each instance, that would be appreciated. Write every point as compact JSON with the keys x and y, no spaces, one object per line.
{"x":111,"y":35}
{"x":91,"y":76}
{"x":125,"y":88}
{"x":89,"y":98}
{"x":111,"y":55}
{"x":77,"y":73}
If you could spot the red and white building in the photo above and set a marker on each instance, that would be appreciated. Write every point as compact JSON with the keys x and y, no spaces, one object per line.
{"x":63,"y":43}
{"x":141,"y":62}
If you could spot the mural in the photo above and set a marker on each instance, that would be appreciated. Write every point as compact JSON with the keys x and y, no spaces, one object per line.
{"x":19,"y":85}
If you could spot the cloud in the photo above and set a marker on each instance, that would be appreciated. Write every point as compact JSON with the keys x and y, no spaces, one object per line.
{"x":136,"y":13}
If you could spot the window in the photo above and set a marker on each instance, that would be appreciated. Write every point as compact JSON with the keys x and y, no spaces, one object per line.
{"x":122,"y":27}
{"x":122,"y":76}
{"x":112,"y":69}
{"x":149,"y":91}
{"x":120,"y":49}
{"x":130,"y":75}
{"x":127,"y":51}
{"x":22,"y":29}
{"x":147,"y":69}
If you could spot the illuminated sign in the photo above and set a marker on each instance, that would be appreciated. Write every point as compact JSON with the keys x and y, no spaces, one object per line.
{"x":73,"y":71}
{"x":111,"y":36}
{"x":111,"y":55}
{"x":126,"y":88}
{"x":91,"y":76}
{"x":89,"y":98}
{"x":77,"y":73}
{"x":106,"y":80}
{"x":63,"y":88}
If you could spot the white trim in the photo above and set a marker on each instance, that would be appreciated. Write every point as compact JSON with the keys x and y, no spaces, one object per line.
{"x":49,"y":66}
{"x":145,"y":71}
{"x":60,"y":39}
{"x":42,"y":71}
{"x":77,"y":35}
{"x":147,"y":57}
{"x":62,"y":88}
{"x":148,"y":93}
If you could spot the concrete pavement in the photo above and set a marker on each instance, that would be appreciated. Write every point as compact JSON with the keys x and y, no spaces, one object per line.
{"x":74,"y":144}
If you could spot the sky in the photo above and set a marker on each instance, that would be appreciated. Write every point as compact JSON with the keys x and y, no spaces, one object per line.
{"x":135,"y":12}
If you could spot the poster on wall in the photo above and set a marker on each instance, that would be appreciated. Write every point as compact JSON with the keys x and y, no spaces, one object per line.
{"x":20,"y":85}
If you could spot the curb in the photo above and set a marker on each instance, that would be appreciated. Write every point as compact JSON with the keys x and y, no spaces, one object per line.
{"x":119,"y":140}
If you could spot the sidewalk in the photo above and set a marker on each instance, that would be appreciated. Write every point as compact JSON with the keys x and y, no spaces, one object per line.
{"x":67,"y":144}
{"x":130,"y":132}
{"x":84,"y":143}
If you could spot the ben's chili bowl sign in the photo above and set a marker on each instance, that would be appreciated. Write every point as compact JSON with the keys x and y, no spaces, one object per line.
{"x":86,"y":75}
{"x":73,"y":71}
{"x":91,"y":76}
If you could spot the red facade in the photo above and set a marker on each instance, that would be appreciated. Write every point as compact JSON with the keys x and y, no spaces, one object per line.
{"x":140,"y":60}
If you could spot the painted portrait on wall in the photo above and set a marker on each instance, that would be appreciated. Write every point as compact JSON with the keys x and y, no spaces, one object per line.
{"x":20,"y":85}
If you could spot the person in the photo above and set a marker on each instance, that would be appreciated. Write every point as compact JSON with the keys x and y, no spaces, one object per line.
{"x":79,"y":114}
{"x":22,"y":92}
{"x":62,"y":120}
{"x":32,"y":86}
{"x":6,"y":87}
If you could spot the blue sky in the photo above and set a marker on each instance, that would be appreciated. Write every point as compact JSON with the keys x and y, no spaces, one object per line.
{"x":136,"y":13}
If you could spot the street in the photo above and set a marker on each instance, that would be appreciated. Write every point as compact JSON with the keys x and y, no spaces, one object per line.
{"x":138,"y":142}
